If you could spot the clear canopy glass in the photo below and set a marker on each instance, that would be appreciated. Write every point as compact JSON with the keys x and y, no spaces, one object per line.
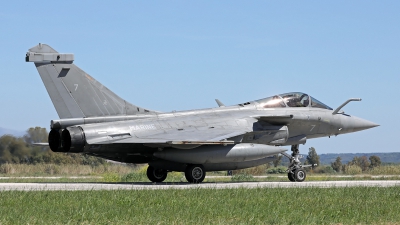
{"x":293,"y":99}
{"x":317,"y":104}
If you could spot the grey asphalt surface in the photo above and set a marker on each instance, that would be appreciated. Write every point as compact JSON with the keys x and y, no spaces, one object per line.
{"x":155,"y":186}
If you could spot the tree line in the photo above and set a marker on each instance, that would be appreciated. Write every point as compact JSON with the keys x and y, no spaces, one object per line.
{"x":20,"y":150}
{"x":363,"y":163}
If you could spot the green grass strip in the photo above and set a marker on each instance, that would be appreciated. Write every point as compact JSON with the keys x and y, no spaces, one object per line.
{"x":356,"y":205}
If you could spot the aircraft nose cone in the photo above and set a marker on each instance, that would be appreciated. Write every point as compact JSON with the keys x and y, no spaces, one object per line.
{"x":361,"y":124}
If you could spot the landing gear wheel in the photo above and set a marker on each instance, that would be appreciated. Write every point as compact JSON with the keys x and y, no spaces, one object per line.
{"x":156,"y":175}
{"x":299,"y":175}
{"x":290,"y":175}
{"x":195,"y":173}
{"x":295,"y":169}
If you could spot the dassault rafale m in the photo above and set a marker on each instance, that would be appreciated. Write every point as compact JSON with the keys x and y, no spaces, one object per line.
{"x":95,"y":121}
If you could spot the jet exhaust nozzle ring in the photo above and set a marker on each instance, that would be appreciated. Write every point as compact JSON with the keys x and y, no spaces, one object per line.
{"x":73,"y":139}
{"x":54,"y":140}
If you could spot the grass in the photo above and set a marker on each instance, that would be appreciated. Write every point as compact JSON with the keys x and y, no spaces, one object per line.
{"x":179,"y":177}
{"x":359,"y":205}
{"x":17,"y":173}
{"x":20,"y":173}
{"x":356,"y":205}
{"x":66,"y":170}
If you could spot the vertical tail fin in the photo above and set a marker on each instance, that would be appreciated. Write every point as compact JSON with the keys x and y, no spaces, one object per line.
{"x":73,"y":92}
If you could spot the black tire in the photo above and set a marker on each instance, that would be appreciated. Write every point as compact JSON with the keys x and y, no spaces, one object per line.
{"x":195,"y":173}
{"x":300,"y":175}
{"x":156,"y":175}
{"x":290,"y":175}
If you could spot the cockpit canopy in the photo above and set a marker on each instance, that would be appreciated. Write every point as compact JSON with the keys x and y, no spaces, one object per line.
{"x":293,"y":99}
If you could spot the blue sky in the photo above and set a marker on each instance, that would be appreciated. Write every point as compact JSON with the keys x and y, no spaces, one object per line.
{"x":177,"y":55}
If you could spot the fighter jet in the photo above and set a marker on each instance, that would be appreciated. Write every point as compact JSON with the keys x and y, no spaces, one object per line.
{"x":95,"y":121}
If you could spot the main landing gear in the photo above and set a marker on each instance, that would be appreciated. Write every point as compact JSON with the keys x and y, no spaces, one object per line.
{"x":193,"y":173}
{"x":296,"y":170}
{"x":156,"y":175}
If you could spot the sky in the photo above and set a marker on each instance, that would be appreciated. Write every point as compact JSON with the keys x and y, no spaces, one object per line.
{"x":180,"y":55}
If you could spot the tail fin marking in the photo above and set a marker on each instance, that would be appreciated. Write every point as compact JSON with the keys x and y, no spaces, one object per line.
{"x":74,"y":93}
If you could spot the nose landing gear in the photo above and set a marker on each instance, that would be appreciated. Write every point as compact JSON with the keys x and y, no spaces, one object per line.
{"x":298,"y":175}
{"x":296,"y":172}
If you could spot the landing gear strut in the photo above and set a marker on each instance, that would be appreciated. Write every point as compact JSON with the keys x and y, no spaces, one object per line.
{"x":296,"y":169}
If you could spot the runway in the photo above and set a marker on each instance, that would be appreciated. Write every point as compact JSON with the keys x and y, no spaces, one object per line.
{"x":157,"y":186}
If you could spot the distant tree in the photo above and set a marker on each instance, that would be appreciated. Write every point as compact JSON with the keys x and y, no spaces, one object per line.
{"x":277,"y":161}
{"x":361,"y":162}
{"x":344,"y":168}
{"x":337,"y":165}
{"x":375,"y":161}
{"x":36,"y":135}
{"x":13,"y":149}
{"x":354,"y":161}
{"x":364,"y":163}
{"x":312,"y":157}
